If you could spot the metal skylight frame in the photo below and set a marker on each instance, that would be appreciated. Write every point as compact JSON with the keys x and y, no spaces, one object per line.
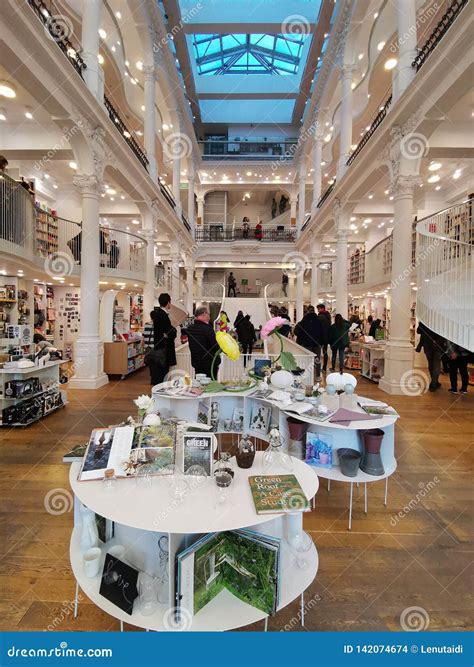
{"x":218,"y":54}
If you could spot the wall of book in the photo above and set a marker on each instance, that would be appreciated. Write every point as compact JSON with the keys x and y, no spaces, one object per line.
{"x":47,"y":232}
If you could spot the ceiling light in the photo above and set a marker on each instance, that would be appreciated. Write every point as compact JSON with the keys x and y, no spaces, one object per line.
{"x":143,"y":107}
{"x":371,"y":196}
{"x":2,"y":114}
{"x":132,"y":80}
{"x":103,"y":282}
{"x":127,"y":63}
{"x":73,"y":165}
{"x":7,"y":90}
{"x":438,"y":187}
{"x":165,"y":126}
{"x":386,"y":191}
{"x":376,"y":15}
{"x":28,"y":114}
{"x":353,"y":218}
{"x":390,"y":63}
{"x":380,"y":46}
{"x":434,"y":166}
{"x":110,"y":191}
{"x":122,"y":196}
{"x":367,"y":221}
{"x":118,"y":15}
{"x":368,"y":96}
{"x":100,"y":58}
{"x":102,"y":33}
{"x":391,"y":198}
{"x":135,"y":222}
{"x":353,"y":85}
{"x":55,"y":186}
{"x":139,"y":65}
{"x":327,"y":138}
{"x":434,"y":179}
{"x":457,"y":174}
{"x":360,"y":56}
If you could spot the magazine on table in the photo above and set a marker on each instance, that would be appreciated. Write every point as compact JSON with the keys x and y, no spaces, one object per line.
{"x":372,"y":407}
{"x":107,"y":448}
{"x":273,"y":494}
{"x":243,"y":562}
{"x":198,"y":451}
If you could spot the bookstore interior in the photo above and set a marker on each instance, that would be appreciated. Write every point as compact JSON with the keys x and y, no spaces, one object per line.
{"x":222,"y":255}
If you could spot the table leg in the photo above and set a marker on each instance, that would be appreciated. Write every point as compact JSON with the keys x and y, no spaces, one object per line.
{"x":350,"y":507}
{"x":302,"y":609}
{"x":121,"y":626}
{"x":329,"y":485}
{"x":365,"y":497}
{"x":265,"y":627}
{"x":385,"y":499}
{"x":76,"y":599}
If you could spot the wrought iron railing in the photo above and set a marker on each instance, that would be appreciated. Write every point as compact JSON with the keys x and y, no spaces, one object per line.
{"x":122,"y":128}
{"x":439,"y":32}
{"x":373,"y":126}
{"x":248,"y":150}
{"x":326,"y":194}
{"x":54,"y":23}
{"x":219,"y":234}
{"x":167,"y":194}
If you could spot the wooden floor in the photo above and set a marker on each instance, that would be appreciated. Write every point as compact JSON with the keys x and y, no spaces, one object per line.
{"x":367,"y":577}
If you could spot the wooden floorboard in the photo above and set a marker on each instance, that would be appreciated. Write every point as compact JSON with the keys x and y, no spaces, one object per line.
{"x":367,"y":577}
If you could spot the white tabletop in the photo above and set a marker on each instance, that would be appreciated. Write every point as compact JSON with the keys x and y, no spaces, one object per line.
{"x":152,"y":507}
{"x":32,"y":369}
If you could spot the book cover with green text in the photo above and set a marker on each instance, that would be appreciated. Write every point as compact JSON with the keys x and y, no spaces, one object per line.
{"x":277,"y":493}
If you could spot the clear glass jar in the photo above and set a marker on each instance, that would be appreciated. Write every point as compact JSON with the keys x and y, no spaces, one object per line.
{"x":109,"y":482}
{"x":222,"y":486}
{"x":276,"y":455}
{"x":224,"y":464}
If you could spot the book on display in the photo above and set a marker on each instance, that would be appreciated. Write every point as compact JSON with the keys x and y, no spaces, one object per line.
{"x":273,"y":494}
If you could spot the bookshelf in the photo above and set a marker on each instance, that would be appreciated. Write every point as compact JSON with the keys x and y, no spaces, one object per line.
{"x":136,"y":312}
{"x":357,"y":266}
{"x":47,"y":230}
{"x":123,"y":357}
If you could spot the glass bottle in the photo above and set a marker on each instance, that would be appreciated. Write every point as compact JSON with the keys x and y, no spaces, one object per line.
{"x":109,"y":482}
{"x":222,"y":486}
{"x":246,"y":452}
{"x":224,"y":464}
{"x":275,"y":456}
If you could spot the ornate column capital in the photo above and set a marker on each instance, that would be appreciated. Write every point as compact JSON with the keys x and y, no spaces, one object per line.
{"x":149,"y":72}
{"x":404,"y":186}
{"x":347,"y":70}
{"x":149,"y":235}
{"x":88,"y":184}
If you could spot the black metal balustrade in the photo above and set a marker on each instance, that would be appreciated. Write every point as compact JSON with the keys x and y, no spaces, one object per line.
{"x":122,"y":128}
{"x":54,"y":23}
{"x":166,"y":192}
{"x":439,"y":32}
{"x":326,"y":194}
{"x":373,"y":126}
{"x":248,"y":150}
{"x":218,"y":234}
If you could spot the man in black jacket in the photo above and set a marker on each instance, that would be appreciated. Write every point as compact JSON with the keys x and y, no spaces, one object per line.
{"x":310,"y":333}
{"x":164,"y":334}
{"x":325,"y":319}
{"x":202,"y":343}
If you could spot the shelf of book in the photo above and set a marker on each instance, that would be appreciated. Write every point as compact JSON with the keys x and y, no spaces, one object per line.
{"x":47,"y":232}
{"x":123,"y":357}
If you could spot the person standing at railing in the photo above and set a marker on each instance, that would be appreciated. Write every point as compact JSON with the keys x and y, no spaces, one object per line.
{"x":284,"y":283}
{"x":245,"y":228}
{"x":283,"y":204}
{"x":433,"y":347}
{"x":114,"y":255}
{"x":258,"y":231}
{"x":274,"y":207}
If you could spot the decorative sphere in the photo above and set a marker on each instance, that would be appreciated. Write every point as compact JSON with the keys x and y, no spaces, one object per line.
{"x":340,"y":380}
{"x":151,"y":420}
{"x":282,"y":379}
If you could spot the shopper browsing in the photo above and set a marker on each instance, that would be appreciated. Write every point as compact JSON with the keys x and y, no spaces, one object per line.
{"x":324,"y":317}
{"x":202,"y":343}
{"x":310,"y":334}
{"x":246,"y":336}
{"x":458,"y":360}
{"x":433,"y":347}
{"x":163,"y":355}
{"x":338,"y":340}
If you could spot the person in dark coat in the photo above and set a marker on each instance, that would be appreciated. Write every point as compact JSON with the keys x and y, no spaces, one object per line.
{"x":433,"y":346}
{"x":246,"y":336}
{"x":285,"y":329}
{"x":202,"y":343}
{"x":458,"y":360}
{"x":238,"y":319}
{"x":164,"y":335}
{"x":325,"y":319}
{"x":310,"y":334}
{"x":338,"y":340}
{"x":374,"y":326}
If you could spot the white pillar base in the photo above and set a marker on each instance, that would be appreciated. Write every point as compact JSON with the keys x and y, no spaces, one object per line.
{"x":88,"y":365}
{"x":398,"y":368}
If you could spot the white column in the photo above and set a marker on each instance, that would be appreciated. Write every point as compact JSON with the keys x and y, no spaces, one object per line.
{"x":315,"y":259}
{"x":149,"y":125}
{"x":398,"y":350}
{"x":291,"y":294}
{"x":149,"y":287}
{"x":317,"y":151}
{"x":199,"y":281}
{"x":89,"y":349}
{"x":299,"y":295}
{"x":407,"y":38}
{"x":293,"y":201}
{"x":190,"y":286}
{"x":301,"y":198}
{"x":340,"y":279}
{"x":175,"y":277}
{"x":200,"y":212}
{"x":191,"y":205}
{"x":176,"y":184}
{"x":93,"y":74}
{"x":345,"y":134}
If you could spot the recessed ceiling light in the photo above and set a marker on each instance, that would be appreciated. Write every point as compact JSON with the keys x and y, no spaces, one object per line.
{"x":55,"y":186}
{"x":7,"y":90}
{"x":139,"y":65}
{"x":122,"y":196}
{"x":367,"y":221}
{"x":434,"y":166}
{"x":28,"y":114}
{"x":100,"y":58}
{"x":353,"y":85}
{"x":371,"y":196}
{"x":457,"y":174}
{"x":380,"y":46}
{"x":353,"y":218}
{"x":135,"y":222}
{"x":102,"y":33}
{"x":360,"y":56}
{"x":118,"y":15}
{"x":434,"y":179}
{"x":2,"y":114}
{"x":110,"y":191}
{"x":438,"y":187}
{"x":386,"y":191}
{"x":73,"y":165}
{"x":165,"y":126}
{"x":376,"y":15}
{"x":390,"y":63}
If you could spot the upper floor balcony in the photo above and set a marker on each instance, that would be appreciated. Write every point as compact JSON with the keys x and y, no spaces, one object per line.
{"x":220,"y":234}
{"x":249,"y":149}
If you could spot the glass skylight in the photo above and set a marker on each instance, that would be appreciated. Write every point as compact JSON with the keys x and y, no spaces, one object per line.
{"x":248,"y":54}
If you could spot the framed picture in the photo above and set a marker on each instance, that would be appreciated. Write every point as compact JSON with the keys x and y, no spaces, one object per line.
{"x":260,"y":418}
{"x":318,"y":450}
{"x":238,"y":419}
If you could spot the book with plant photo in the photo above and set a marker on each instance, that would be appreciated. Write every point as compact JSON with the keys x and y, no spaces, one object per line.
{"x":198,"y":450}
{"x":277,"y":493}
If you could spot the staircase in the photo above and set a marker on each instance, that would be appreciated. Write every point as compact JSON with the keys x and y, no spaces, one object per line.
{"x":445,"y":272}
{"x":256,"y":308}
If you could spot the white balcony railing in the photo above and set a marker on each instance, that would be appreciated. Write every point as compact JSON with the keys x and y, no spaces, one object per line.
{"x":445,"y":251}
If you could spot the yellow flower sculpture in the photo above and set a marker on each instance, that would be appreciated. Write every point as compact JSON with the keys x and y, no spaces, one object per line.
{"x":228,"y":345}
